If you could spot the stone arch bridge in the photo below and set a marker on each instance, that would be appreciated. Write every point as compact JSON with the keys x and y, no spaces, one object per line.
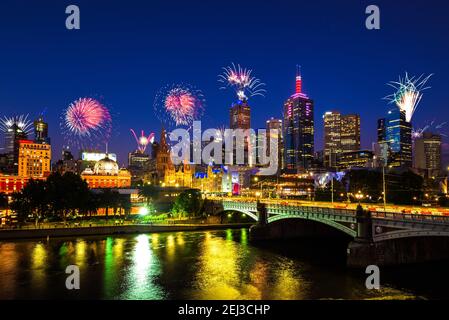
{"x":384,"y":236}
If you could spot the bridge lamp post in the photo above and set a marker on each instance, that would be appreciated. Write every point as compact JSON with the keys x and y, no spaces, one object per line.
{"x":359,"y":196}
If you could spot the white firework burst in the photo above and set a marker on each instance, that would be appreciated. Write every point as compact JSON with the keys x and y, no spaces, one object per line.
{"x":242,"y":80}
{"x":21,"y":122}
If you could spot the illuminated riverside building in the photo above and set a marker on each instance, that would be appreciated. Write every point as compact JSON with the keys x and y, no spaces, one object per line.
{"x":12,"y":183}
{"x":276,"y":124}
{"x":427,"y":154}
{"x":298,"y":130}
{"x":34,"y":162}
{"x":34,"y":159}
{"x":350,"y":132}
{"x":106,"y":174}
{"x":139,"y":166}
{"x":13,"y":135}
{"x":165,"y":173}
{"x":355,"y":159}
{"x":394,"y":136}
{"x":332,"y":137}
{"x":88,"y":159}
{"x":210,"y":181}
{"x":341,"y":134}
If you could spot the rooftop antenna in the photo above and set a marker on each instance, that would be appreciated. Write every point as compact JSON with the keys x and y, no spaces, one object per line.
{"x":298,"y":79}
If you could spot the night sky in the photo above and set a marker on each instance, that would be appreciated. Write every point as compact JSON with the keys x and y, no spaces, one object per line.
{"x":126,"y":50}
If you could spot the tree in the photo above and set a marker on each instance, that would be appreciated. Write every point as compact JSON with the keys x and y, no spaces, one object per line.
{"x":108,"y":199}
{"x":3,"y":201}
{"x":150,"y":193}
{"x":188,"y":204}
{"x":58,"y":196}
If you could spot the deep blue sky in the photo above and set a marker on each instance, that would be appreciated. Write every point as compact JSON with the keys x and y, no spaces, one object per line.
{"x":126,"y":50}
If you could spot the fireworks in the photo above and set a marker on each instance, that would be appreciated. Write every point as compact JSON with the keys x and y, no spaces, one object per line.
{"x":21,"y":122}
{"x":408,"y":93}
{"x":242,"y":81}
{"x":86,"y":122}
{"x":179,"y":105}
{"x":143,"y":140}
{"x":433,"y":127}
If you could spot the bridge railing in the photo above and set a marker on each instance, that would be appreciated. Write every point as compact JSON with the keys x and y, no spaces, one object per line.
{"x":294,"y":207}
{"x":411,"y":217}
{"x":308,"y":209}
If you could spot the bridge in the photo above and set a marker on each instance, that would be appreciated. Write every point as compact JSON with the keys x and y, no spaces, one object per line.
{"x":374,"y":231}
{"x":385,"y":225}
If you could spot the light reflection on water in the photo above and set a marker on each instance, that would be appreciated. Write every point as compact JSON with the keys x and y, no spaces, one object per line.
{"x":182,"y":265}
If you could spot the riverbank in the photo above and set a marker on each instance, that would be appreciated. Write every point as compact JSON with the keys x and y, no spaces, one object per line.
{"x":111,"y":230}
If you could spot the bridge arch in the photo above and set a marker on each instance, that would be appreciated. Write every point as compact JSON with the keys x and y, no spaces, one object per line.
{"x":250,"y":214}
{"x":402,"y":234}
{"x":331,"y":223}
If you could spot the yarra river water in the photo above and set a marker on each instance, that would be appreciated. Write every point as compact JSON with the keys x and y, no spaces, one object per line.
{"x":201,"y":265}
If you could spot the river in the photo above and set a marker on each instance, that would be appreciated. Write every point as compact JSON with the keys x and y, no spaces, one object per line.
{"x":200,"y":265}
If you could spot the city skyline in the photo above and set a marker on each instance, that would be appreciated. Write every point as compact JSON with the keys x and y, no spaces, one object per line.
{"x":126,"y":80}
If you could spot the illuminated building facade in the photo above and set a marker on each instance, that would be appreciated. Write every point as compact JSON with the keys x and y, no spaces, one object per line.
{"x":240,"y":118}
{"x":350,"y":132}
{"x":41,"y":131}
{"x":298,"y":130}
{"x":168,"y":174}
{"x":12,"y":137}
{"x":139,"y":166}
{"x":34,"y":159}
{"x":341,"y":134}
{"x":88,"y":159}
{"x":394,"y":135}
{"x":240,"y":115}
{"x":106,"y":174}
{"x":332,"y":138}
{"x":427,"y":154}
{"x":66,"y":164}
{"x":276,"y":124}
{"x":210,"y":181}
{"x":355,"y":159}
{"x":12,"y":183}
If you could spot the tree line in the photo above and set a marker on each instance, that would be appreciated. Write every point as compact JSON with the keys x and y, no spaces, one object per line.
{"x":61,"y":197}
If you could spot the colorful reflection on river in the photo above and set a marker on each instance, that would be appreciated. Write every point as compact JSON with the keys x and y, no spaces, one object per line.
{"x":181,"y":265}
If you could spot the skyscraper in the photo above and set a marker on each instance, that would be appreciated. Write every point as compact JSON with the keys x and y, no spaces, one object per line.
{"x":341,"y":134}
{"x":298,"y":130}
{"x":427,"y":154}
{"x":350,"y":132}
{"x":240,"y":115}
{"x":332,"y":137}
{"x":13,"y":135}
{"x":276,"y":124}
{"x":394,"y":135}
{"x":240,"y":118}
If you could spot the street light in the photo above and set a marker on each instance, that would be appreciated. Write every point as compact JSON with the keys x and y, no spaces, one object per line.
{"x":359,"y":196}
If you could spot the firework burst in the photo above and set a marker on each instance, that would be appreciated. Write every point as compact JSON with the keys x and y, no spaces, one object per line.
{"x":433,"y":127}
{"x":408,"y":93}
{"x":242,"y":80}
{"x":143,"y":141}
{"x":179,"y":105}
{"x":86,"y":123}
{"x":21,"y":122}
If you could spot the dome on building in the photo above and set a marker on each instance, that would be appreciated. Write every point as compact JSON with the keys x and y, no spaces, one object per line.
{"x":88,"y":171}
{"x":124,"y":172}
{"x":106,"y":167}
